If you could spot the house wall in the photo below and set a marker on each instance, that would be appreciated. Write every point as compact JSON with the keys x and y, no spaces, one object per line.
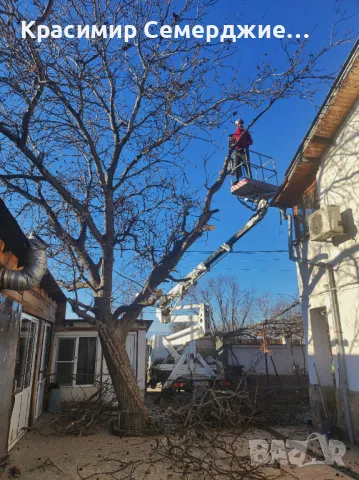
{"x":43,"y":309}
{"x":136,"y":339}
{"x":34,"y":302}
{"x":338,"y":184}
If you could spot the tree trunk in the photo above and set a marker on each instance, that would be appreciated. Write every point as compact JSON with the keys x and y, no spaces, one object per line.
{"x":133,"y":414}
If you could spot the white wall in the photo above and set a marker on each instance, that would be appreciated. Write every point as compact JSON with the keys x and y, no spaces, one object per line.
{"x":142,"y":361}
{"x":338,"y":184}
{"x":252,"y":358}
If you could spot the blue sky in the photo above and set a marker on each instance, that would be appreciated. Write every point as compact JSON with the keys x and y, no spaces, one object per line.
{"x":277,"y":134}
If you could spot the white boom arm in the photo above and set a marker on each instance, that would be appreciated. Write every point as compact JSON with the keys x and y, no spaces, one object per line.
{"x":195,"y":331}
{"x":168,"y":311}
{"x":168,"y":302}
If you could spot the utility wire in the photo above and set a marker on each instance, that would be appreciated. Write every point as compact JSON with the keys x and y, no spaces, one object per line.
{"x":262,"y":269}
{"x":245,"y":252}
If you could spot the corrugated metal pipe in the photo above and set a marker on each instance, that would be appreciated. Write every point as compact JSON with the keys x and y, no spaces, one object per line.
{"x":35,"y":266}
{"x":343,"y":377}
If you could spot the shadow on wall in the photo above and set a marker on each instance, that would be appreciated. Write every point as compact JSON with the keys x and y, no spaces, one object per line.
{"x":341,"y":166}
{"x":349,"y":227}
{"x":338,"y":184}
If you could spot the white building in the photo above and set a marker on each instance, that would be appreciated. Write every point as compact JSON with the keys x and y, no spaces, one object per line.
{"x":325,"y":171}
{"x":78,"y":363}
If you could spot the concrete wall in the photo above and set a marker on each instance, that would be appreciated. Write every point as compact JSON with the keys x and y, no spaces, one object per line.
{"x":338,"y":184}
{"x":253,"y":361}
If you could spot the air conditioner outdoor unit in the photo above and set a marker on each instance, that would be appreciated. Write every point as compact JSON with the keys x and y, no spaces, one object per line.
{"x":325,"y":223}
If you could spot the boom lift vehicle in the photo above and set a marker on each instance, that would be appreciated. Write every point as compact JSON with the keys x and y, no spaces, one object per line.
{"x":189,"y":370}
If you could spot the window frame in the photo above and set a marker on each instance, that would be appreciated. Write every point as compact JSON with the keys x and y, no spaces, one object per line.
{"x":27,"y":376}
{"x":73,"y":361}
{"x":95,"y":361}
{"x":299,"y":236}
{"x":72,"y":335}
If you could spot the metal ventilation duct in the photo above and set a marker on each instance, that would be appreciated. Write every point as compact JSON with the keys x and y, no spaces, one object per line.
{"x":35,"y":266}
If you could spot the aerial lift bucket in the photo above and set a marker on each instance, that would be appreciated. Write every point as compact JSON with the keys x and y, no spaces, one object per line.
{"x":263,"y":182}
{"x":251,"y":189}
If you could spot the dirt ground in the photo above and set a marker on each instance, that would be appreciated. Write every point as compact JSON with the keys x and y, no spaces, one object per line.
{"x":99,"y":457}
{"x":42,"y":455}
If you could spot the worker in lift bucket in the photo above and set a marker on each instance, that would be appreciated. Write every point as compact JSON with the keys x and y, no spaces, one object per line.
{"x":242,"y":139}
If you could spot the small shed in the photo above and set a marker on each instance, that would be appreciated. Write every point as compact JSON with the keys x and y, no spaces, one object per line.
{"x":78,"y":364}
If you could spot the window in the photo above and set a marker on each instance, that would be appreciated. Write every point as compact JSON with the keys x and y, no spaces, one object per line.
{"x":308,"y":205}
{"x":76,"y":361}
{"x":86,"y":361}
{"x":65,"y":361}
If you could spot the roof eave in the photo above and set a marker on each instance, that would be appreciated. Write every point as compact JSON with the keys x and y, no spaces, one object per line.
{"x":303,"y":168}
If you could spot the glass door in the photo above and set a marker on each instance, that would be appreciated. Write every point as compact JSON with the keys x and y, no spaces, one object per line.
{"x":24,"y":370}
{"x":45,"y":337}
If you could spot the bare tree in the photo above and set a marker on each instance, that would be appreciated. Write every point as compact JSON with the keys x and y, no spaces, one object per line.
{"x":281,"y":316}
{"x":232,"y":309}
{"x":95,"y":144}
{"x":271,"y":318}
{"x":230,"y":306}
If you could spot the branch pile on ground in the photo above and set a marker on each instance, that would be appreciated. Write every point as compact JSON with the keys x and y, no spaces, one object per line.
{"x":226,"y":409}
{"x":208,"y":454}
{"x":209,"y":407}
{"x":192,"y":455}
{"x":82,"y":415}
